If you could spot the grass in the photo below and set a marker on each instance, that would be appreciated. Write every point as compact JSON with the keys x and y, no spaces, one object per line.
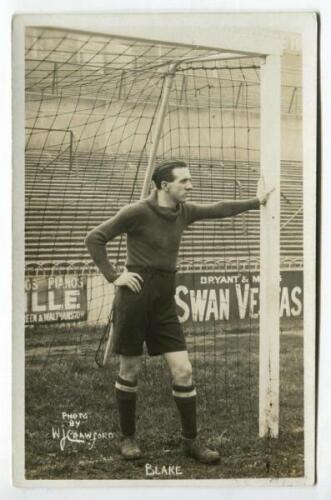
{"x":62,"y":377}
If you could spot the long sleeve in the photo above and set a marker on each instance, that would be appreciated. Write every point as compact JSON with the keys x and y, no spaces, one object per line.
{"x":219,"y":210}
{"x":97,"y":239}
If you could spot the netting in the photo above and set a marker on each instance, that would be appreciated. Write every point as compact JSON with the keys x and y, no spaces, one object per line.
{"x":92,"y":102}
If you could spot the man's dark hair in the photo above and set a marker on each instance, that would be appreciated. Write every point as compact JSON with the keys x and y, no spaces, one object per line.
{"x":163,"y":172}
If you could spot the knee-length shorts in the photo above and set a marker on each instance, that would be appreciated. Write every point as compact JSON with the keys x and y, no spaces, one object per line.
{"x":149,"y":316}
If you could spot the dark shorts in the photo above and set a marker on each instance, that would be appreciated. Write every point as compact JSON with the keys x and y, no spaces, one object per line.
{"x":148,"y":316}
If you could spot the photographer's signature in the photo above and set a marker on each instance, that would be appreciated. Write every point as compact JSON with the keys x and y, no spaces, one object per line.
{"x":70,"y":431}
{"x":82,"y":437}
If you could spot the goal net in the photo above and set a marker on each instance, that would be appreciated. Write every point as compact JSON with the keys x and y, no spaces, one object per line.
{"x":92,"y":109}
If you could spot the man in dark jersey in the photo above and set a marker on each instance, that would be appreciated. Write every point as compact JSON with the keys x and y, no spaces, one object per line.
{"x":144,"y":304}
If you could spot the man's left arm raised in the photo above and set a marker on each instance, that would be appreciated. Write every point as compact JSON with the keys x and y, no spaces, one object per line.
{"x":222,"y":209}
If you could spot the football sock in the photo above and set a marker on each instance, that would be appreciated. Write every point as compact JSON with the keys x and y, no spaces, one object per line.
{"x":126,"y":396}
{"x":185,"y":399}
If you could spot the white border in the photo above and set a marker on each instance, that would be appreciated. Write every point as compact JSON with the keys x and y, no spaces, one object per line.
{"x":322,"y":489}
{"x":138,"y":25}
{"x":309,"y":98}
{"x":152,"y":23}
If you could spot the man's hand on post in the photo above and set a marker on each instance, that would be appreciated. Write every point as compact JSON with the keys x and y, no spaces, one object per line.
{"x":131,"y":280}
{"x":261,"y":192}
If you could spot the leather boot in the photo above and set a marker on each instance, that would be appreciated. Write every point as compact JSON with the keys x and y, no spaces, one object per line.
{"x":129,"y":448}
{"x":194,"y":448}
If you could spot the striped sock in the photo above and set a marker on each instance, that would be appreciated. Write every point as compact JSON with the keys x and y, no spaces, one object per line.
{"x":126,"y":396}
{"x":185,"y":399}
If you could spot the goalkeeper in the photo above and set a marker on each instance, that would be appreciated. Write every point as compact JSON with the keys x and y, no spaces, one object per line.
{"x":144,"y":304}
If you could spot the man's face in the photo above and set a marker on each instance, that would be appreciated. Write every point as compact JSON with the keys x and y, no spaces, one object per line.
{"x":181,"y":186}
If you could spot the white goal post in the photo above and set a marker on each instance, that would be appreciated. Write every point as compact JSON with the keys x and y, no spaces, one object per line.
{"x":270,"y":249}
{"x":269,"y":237}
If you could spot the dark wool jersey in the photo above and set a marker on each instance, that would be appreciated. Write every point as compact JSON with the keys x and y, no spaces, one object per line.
{"x":154,"y":232}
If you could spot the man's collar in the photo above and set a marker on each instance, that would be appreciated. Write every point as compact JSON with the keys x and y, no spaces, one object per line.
{"x":165,"y":212}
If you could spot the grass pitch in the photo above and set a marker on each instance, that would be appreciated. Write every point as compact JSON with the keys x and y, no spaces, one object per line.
{"x":66,"y":393}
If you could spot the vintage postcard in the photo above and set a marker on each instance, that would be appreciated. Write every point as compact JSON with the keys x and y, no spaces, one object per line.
{"x":164,"y":249}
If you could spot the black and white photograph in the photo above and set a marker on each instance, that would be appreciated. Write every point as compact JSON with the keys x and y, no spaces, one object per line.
{"x":164,"y":248}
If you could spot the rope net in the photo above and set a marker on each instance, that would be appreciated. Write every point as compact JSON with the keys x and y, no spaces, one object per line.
{"x":92,"y":102}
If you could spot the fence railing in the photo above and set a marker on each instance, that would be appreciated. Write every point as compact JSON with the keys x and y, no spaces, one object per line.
{"x":229,"y":264}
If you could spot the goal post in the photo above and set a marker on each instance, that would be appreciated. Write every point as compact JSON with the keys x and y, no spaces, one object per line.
{"x":161,"y":112}
{"x":270,"y":249}
{"x":269,"y":236}
{"x":270,"y":98}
